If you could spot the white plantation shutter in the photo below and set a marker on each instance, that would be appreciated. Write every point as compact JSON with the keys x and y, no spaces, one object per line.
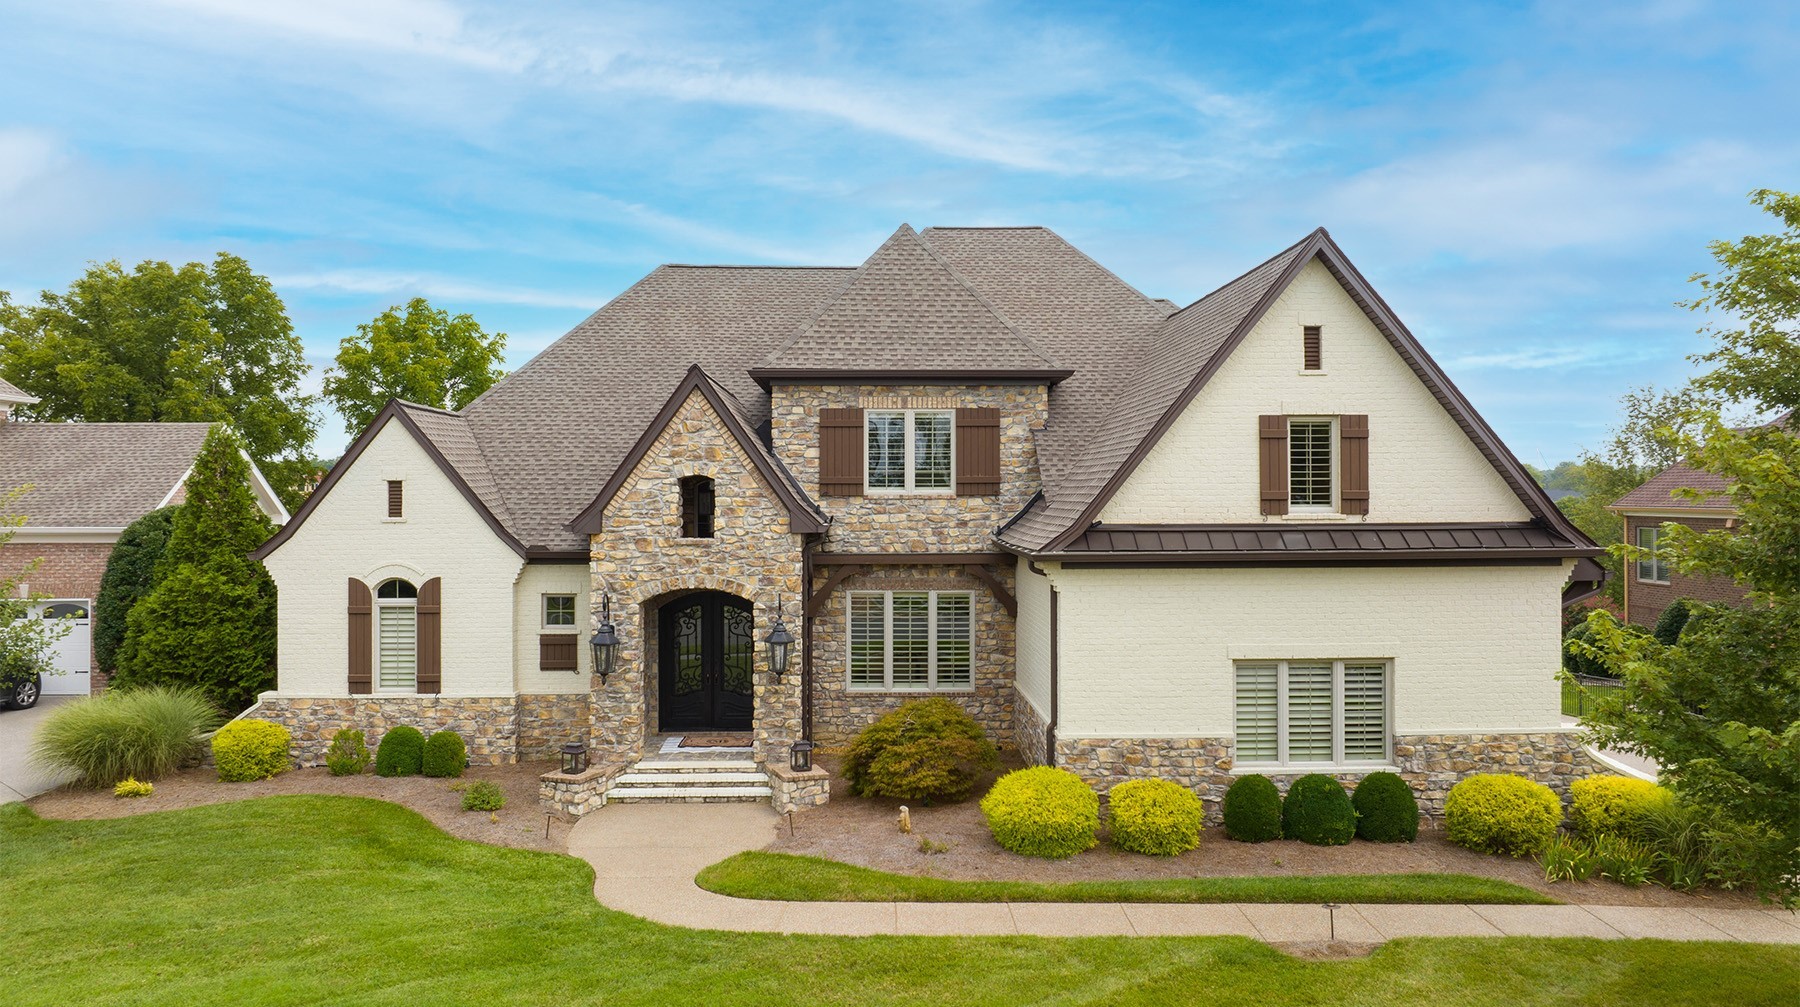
{"x":955,"y":664}
{"x":1258,"y":712}
{"x":399,"y":644}
{"x":1309,"y":712}
{"x":868,"y":638}
{"x":1365,"y":713}
{"x":911,"y":639}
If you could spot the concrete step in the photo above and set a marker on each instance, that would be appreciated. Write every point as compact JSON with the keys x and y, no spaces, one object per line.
{"x":676,"y":795}
{"x":664,"y":778}
{"x":697,"y":766}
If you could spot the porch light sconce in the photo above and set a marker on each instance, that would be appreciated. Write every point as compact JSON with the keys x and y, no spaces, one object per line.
{"x":800,"y":758}
{"x":574,"y":758}
{"x":605,"y":641}
{"x":781,"y":643}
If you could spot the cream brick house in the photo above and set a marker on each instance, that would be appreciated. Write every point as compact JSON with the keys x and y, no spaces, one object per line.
{"x":1259,"y":532}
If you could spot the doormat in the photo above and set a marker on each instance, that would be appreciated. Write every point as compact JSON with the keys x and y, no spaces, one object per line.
{"x":724,"y":740}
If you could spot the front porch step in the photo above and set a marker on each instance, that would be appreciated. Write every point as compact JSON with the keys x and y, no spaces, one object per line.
{"x":698,"y":766}
{"x":689,"y":778}
{"x":631,"y":794}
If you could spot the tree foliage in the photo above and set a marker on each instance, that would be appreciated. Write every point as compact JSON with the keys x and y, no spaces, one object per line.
{"x":161,"y":343}
{"x":421,"y":354}
{"x":210,"y":620}
{"x":25,"y":639}
{"x":130,"y":574}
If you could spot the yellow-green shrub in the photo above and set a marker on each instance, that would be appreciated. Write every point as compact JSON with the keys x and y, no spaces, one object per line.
{"x":1613,"y":805}
{"x":1158,"y":817}
{"x":1500,"y":813}
{"x":251,"y":750}
{"x":132,"y":787}
{"x":1042,"y":812}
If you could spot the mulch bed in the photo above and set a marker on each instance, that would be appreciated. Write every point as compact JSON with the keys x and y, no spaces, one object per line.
{"x":520,"y":824}
{"x":865,"y":832}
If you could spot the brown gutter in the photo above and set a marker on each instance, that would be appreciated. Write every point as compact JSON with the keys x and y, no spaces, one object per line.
{"x":767,"y":376}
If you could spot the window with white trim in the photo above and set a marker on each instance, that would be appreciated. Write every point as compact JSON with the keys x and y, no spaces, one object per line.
{"x":911,"y":640}
{"x":909,"y":449}
{"x":1312,"y":712}
{"x":397,"y":637}
{"x":559,"y":611}
{"x":1651,"y":566}
{"x":1310,"y":465}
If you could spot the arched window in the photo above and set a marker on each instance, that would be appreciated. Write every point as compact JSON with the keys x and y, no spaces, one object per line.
{"x":696,"y":507}
{"x":397,"y":636}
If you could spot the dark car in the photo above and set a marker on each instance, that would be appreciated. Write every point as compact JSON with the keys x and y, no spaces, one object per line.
{"x":21,"y":682}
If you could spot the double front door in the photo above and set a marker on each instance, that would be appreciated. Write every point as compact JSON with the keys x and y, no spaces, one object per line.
{"x":708,"y":657}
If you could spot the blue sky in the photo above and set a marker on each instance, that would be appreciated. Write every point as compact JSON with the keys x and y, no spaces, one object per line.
{"x":1528,"y":185}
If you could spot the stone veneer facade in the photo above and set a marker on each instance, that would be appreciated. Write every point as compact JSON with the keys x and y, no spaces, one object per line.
{"x":1431,"y":764}
{"x":489,"y":725}
{"x":792,"y":791}
{"x":548,"y":720}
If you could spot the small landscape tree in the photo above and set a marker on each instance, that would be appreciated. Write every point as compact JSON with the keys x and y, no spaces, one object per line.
{"x":130,"y":574}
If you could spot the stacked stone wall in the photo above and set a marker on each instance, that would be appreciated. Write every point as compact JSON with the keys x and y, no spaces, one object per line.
{"x":548,"y":720}
{"x":488,"y":725}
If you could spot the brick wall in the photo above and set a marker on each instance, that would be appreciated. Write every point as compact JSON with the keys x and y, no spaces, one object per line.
{"x":68,"y":570}
{"x":1645,"y":600}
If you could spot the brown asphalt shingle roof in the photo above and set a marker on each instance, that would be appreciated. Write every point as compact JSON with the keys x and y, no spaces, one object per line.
{"x":1658,"y":493}
{"x":94,"y":475}
{"x":12,"y":392}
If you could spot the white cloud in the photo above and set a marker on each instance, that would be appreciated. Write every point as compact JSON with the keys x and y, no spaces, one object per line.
{"x":443,"y":288}
{"x":430,"y":28}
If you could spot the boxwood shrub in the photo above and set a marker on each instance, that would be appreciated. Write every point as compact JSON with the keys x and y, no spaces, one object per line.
{"x":348,"y":754}
{"x":1613,"y":805}
{"x":1501,"y":813}
{"x":401,"y":752}
{"x":1253,"y":810}
{"x":1386,"y":811}
{"x":928,"y":750}
{"x":1042,"y":812}
{"x":251,"y":750}
{"x":1158,"y":817}
{"x":1317,"y":811}
{"x":444,"y":755}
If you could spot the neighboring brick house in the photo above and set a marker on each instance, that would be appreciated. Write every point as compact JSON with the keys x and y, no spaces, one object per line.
{"x":1262,"y":532}
{"x":1650,"y":584}
{"x":87,"y":482}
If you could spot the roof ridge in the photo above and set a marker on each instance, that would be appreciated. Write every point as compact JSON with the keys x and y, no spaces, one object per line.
{"x":740,"y":265}
{"x":1017,"y":332}
{"x":1286,"y":251}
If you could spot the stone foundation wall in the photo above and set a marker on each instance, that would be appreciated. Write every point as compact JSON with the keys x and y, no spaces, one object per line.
{"x":1028,"y":733}
{"x":1431,"y":764}
{"x":797,"y":791}
{"x":488,"y":725}
{"x":569,"y":796}
{"x":547,"y":720}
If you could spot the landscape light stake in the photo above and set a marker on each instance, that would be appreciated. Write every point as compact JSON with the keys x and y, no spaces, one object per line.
{"x":1331,"y":909}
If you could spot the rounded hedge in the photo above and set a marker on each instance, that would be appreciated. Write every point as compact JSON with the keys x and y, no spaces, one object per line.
{"x":1157,"y":817}
{"x":1042,"y":812}
{"x":1253,"y":810}
{"x":1386,"y":810}
{"x":401,"y":752}
{"x":1614,"y":805}
{"x":928,"y":750}
{"x":1673,"y":620}
{"x":1501,"y":813}
{"x":348,"y":754}
{"x":1317,"y":811}
{"x":444,"y":755}
{"x":251,"y":750}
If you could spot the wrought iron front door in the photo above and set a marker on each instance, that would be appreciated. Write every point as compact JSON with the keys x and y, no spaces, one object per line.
{"x":708,"y":654}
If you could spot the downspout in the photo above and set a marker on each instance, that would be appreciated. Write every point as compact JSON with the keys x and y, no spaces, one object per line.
{"x":806,"y":639}
{"x":1625,"y":567}
{"x":1055,"y":649}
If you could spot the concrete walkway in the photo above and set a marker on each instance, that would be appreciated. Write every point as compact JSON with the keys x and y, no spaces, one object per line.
{"x":18,"y":778}
{"x":645,"y":857}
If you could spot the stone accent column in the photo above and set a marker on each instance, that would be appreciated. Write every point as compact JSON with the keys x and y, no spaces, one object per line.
{"x":796,"y":791}
{"x":571,"y":795}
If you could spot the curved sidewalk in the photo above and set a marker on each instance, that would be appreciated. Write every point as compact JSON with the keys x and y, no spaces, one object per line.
{"x":645,"y":857}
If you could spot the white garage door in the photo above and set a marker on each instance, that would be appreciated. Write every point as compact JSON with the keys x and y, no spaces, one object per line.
{"x":72,"y":655}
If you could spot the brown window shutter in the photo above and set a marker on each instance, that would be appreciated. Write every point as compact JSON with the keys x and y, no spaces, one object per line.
{"x":840,"y":452}
{"x":1310,"y":340}
{"x":977,"y":452}
{"x":1274,"y":463}
{"x":556,"y":651}
{"x":362,"y":638}
{"x":1353,"y":448}
{"x":431,"y":636}
{"x":396,"y":498}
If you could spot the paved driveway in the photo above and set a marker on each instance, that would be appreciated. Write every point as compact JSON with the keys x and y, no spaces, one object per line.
{"x":18,"y":780}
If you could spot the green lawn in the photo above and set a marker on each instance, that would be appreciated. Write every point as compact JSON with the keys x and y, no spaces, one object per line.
{"x":783,"y":876}
{"x":342,"y":901}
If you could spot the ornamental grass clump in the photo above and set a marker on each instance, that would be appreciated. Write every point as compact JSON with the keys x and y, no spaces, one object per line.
{"x":401,"y":752}
{"x":1042,"y":812}
{"x":929,"y":750}
{"x":246,"y":750}
{"x":139,"y":733}
{"x":1157,"y":817}
{"x":1253,"y":810}
{"x":348,"y":754}
{"x":1501,"y":813}
{"x":1386,"y":810}
{"x":1317,"y":811}
{"x":444,"y":755}
{"x":1613,"y":805}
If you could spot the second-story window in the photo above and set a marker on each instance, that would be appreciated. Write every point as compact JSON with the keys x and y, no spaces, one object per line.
{"x":696,"y":507}
{"x":1652,"y":565}
{"x":1309,"y":464}
{"x":909,"y":449}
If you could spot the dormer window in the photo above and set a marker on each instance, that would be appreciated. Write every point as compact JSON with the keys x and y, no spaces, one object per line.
{"x":909,"y":449}
{"x":696,"y":507}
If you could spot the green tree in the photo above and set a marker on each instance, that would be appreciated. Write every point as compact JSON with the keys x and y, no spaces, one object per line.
{"x":160,"y":343}
{"x":424,"y":355}
{"x":130,"y":574}
{"x":210,"y":620}
{"x":1720,"y":708}
{"x":25,"y":639}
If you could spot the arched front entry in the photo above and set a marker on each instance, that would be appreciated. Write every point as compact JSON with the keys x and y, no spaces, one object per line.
{"x":707,"y":663}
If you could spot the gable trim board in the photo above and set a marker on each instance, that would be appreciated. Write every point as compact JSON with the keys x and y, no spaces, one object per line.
{"x":804,"y":517}
{"x":1319,"y":245}
{"x":396,"y":409}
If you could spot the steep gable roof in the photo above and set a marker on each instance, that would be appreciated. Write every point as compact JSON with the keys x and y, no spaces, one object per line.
{"x":95,"y":475}
{"x":906,"y":312}
{"x":1658,"y":492}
